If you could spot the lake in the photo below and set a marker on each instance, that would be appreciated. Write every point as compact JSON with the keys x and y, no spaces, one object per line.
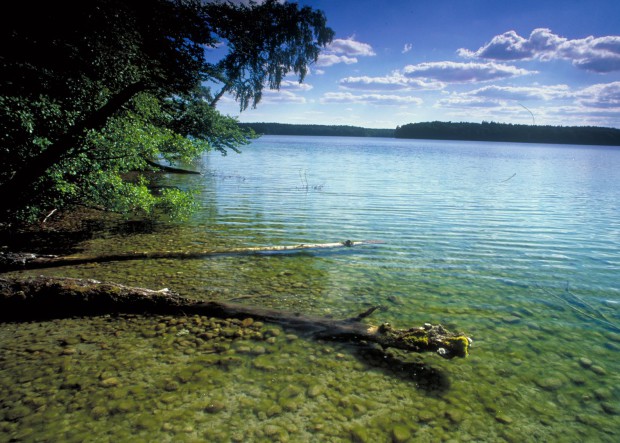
{"x":517,"y":245}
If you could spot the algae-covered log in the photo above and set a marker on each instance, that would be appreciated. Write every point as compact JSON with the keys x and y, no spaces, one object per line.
{"x":48,"y":297}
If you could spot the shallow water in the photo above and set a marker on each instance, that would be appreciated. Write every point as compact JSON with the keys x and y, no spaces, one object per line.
{"x":517,"y":245}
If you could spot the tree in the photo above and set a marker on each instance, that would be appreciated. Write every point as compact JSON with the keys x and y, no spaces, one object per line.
{"x":90,"y":91}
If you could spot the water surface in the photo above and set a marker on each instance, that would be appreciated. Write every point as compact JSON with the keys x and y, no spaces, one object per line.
{"x":518,"y":245}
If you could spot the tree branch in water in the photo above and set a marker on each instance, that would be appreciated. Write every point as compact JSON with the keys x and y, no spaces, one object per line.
{"x":48,"y":297}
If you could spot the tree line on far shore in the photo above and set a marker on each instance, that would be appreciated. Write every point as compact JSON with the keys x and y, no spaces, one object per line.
{"x":319,"y":130}
{"x":503,"y":132}
{"x":485,"y":131}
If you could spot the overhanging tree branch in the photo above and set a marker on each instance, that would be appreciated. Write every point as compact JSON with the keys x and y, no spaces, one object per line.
{"x":219,"y":95}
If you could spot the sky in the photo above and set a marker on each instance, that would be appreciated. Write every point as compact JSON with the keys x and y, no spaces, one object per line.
{"x":394,"y":62}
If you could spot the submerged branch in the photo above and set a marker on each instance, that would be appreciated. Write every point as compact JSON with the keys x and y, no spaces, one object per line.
{"x":47,"y":297}
{"x":10,"y":261}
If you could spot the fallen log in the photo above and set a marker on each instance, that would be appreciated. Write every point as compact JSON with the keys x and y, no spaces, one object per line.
{"x":49,"y":297}
{"x":169,"y":169}
{"x":14,"y":261}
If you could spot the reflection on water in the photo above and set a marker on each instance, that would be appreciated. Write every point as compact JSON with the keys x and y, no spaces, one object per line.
{"x":517,"y":245}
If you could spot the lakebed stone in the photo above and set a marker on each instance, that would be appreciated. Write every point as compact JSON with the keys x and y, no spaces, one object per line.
{"x":610,"y":408}
{"x":400,"y":434}
{"x":214,"y":406}
{"x":551,"y":383}
{"x":503,"y":419}
{"x":17,"y":412}
{"x":109,"y":382}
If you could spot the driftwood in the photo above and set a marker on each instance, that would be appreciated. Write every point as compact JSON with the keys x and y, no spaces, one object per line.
{"x":10,"y":261}
{"x":170,"y":169}
{"x":47,"y":297}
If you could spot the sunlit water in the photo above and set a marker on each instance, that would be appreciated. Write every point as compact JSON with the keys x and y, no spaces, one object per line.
{"x":517,"y":245}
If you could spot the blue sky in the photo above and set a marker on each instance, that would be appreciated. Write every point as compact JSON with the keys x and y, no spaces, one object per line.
{"x":394,"y":62}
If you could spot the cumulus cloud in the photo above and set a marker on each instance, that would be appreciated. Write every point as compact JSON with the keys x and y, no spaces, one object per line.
{"x":282,"y":96}
{"x":597,"y":54}
{"x":456,"y":100}
{"x":350,"y":46}
{"x":326,"y":60}
{"x":344,"y":51}
{"x":393,"y":82}
{"x":408,"y":47}
{"x":596,"y":98}
{"x":455,"y":72}
{"x":374,"y":99}
{"x":291,"y":85}
{"x":522,"y":93}
{"x":603,"y":96}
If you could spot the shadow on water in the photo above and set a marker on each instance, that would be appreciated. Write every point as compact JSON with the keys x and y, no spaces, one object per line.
{"x":128,"y":228}
{"x":432,"y":381}
{"x":49,"y":240}
{"x":62,"y":234}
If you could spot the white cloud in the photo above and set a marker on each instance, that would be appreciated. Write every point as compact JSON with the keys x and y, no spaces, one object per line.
{"x":291,"y":85}
{"x":344,"y":51}
{"x":374,"y":99}
{"x":521,"y":93}
{"x":283,"y":96}
{"x":467,"y":101}
{"x":597,"y":104}
{"x":597,"y":54}
{"x":408,"y":47}
{"x":602,"y":96}
{"x":393,"y":82}
{"x":455,"y":72}
{"x":350,"y":47}
{"x":326,"y":60}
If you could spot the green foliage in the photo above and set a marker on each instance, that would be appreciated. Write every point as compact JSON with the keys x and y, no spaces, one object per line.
{"x":194,"y":118}
{"x":268,"y":41}
{"x":90,"y":91}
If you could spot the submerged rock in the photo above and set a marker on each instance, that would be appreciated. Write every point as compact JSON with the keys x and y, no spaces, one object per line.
{"x":585,"y":362}
{"x":110,"y":382}
{"x":598,"y":370}
{"x":215,"y":406}
{"x":610,"y":408}
{"x":17,"y":412}
{"x":550,"y":383}
{"x":503,"y":419}
{"x":359,"y":434}
{"x":315,"y":391}
{"x":99,"y":412}
{"x":400,"y":434}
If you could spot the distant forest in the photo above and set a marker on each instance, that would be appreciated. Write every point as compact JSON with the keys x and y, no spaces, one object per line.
{"x":485,"y":131}
{"x":502,"y":132}
{"x":322,"y":130}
